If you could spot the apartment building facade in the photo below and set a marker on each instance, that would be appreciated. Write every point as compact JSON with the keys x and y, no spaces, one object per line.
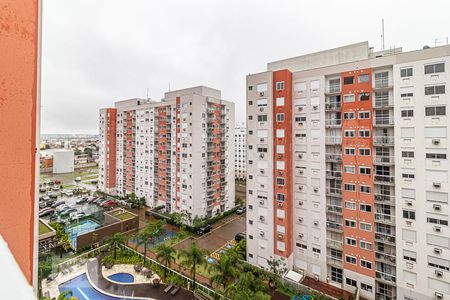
{"x":240,"y":152}
{"x":347,"y":171}
{"x":178,"y":152}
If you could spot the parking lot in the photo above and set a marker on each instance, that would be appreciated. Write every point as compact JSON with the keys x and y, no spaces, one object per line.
{"x":222,"y":232}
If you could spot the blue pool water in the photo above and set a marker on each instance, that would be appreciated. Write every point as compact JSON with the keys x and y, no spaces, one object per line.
{"x":81,"y":227}
{"x":83,"y":290}
{"x":122,"y":277}
{"x":166,"y":235}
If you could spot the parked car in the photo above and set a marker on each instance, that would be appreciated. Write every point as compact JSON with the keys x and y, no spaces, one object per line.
{"x":45,"y":198}
{"x":68,"y":193}
{"x":57,"y":181}
{"x":239,"y":237}
{"x":100,"y":203}
{"x":58,"y":203}
{"x":108,"y":203}
{"x":205,"y":229}
{"x":81,"y":200}
{"x":46,"y":212}
{"x":241,"y":210}
{"x":42,"y":204}
{"x":77,"y":178}
{"x":68,"y":211}
{"x":77,"y":216}
{"x":62,"y":207}
{"x":42,"y":189}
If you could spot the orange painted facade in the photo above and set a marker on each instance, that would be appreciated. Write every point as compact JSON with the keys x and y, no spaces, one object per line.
{"x":19,"y":111}
{"x":111,"y":126}
{"x":359,"y":90}
{"x":177,"y":138}
{"x":129,"y":150}
{"x":162,"y":167}
{"x":286,"y":189}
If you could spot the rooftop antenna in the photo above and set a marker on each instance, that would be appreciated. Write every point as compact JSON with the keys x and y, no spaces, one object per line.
{"x":169,"y":86}
{"x":382,"y":34}
{"x":147,"y":93}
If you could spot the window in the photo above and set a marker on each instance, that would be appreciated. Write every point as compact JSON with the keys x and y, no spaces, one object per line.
{"x":280,"y":197}
{"x":280,"y":101}
{"x":349,"y":116}
{"x":364,"y":151}
{"x":407,"y":113}
{"x":350,"y":223}
{"x":280,"y":85}
{"x":280,"y":117}
{"x":350,"y":187}
{"x":365,"y":226}
{"x":408,"y":175}
{"x":250,"y":117}
{"x":280,"y":133}
{"x":366,"y":287}
{"x":435,"y":68}
{"x":316,"y":250}
{"x":365,"y":264}
{"x":364,"y":133}
{"x":409,"y":255}
{"x":363,"y":78}
{"x":349,"y":80}
{"x":349,"y":98}
{"x":406,"y":72}
{"x":409,"y":154}
{"x":365,"y":245}
{"x":409,"y":214}
{"x":439,"y":263}
{"x":349,"y":151}
{"x":435,"y":111}
{"x":436,"y":155}
{"x":262,"y":118}
{"x":435,"y":220}
{"x":349,"y":133}
{"x":364,"y":189}
{"x":261,"y":102}
{"x":262,"y":87}
{"x":298,"y":119}
{"x":303,"y":246}
{"x":404,"y":95}
{"x":435,"y":90}
{"x":363,"y":96}
{"x":349,"y":169}
{"x":365,"y":207}
{"x":364,"y":170}
{"x":280,"y":181}
{"x":350,"y":281}
{"x":350,"y":205}
{"x":350,"y":241}
{"x":336,"y":275}
{"x":350,"y":260}
{"x":262,"y":150}
{"x":363,"y":115}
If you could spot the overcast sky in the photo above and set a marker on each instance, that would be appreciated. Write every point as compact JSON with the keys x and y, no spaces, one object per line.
{"x":97,"y":52}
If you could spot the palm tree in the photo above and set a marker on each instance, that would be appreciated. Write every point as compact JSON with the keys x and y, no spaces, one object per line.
{"x":63,"y":296}
{"x":191,"y":258}
{"x":224,"y":270}
{"x":151,"y":231}
{"x":166,"y":256}
{"x":114,"y":241}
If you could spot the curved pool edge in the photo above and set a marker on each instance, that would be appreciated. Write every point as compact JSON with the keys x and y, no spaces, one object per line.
{"x":127,"y":283}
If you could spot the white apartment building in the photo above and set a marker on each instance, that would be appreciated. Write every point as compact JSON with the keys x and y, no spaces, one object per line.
{"x":178,"y":152}
{"x":347,"y":170}
{"x":240,"y":152}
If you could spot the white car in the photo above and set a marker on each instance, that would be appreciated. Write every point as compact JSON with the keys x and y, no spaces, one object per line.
{"x":62,"y":207}
{"x":76,"y":216}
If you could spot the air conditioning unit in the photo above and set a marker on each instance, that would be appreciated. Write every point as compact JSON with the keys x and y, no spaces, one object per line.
{"x":316,"y":189}
{"x":261,"y":155}
{"x":437,"y":251}
{"x":300,"y":187}
{"x":408,"y":202}
{"x":280,"y":237}
{"x":437,"y":229}
{"x":300,"y":235}
{"x":300,"y":108}
{"x":261,"y":171}
{"x":280,"y":156}
{"x":315,"y":107}
{"x":439,"y":295}
{"x":300,"y":171}
{"x":261,"y":140}
{"x":261,"y":94}
{"x":300,"y":203}
{"x":316,"y":222}
{"x":436,"y":184}
{"x":261,"y":202}
{"x":300,"y":156}
{"x":280,"y":204}
{"x":437,"y":207}
{"x":438,"y":273}
{"x":261,"y":218}
{"x":261,"y":233}
{"x":316,"y":277}
{"x":300,"y":219}
{"x":261,"y":109}
{"x":436,"y":141}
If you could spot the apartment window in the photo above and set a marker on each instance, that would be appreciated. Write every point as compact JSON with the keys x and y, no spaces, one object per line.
{"x":300,"y":119}
{"x":435,"y":220}
{"x":408,"y":154}
{"x":364,"y":189}
{"x":349,"y":116}
{"x":280,"y":117}
{"x":404,"y":95}
{"x":350,"y":205}
{"x":365,"y":264}
{"x":363,"y":115}
{"x":364,"y":151}
{"x":262,"y":150}
{"x":365,"y":245}
{"x":280,"y":101}
{"x":350,"y":187}
{"x":363,"y":96}
{"x":364,"y":170}
{"x":435,"y":90}
{"x":349,"y":80}
{"x":350,"y":241}
{"x":349,"y":98}
{"x":409,"y":214}
{"x":349,"y":169}
{"x":363,"y":78}
{"x":262,"y":118}
{"x":280,"y":181}
{"x":364,"y":133}
{"x":435,"y":68}
{"x":250,"y":117}
{"x":316,"y":250}
{"x":408,"y":175}
{"x":436,"y":155}
{"x":350,"y":223}
{"x":303,"y":246}
{"x":349,"y":151}
{"x":336,"y":275}
{"x":407,"y":113}
{"x":409,"y":255}
{"x":406,"y":72}
{"x":365,"y":207}
{"x":350,"y":260}
{"x":435,"y":111}
{"x":261,"y":102}
{"x":280,"y":197}
{"x":365,"y":226}
{"x":349,"y":133}
{"x":366,"y":287}
{"x":280,"y":133}
{"x":439,"y":263}
{"x":280,"y":85}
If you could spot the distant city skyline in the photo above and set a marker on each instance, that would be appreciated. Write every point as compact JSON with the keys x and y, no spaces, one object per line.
{"x":118,"y":51}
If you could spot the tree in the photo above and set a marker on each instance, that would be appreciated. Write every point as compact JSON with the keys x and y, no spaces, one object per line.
{"x":241,"y":249}
{"x":64,"y":243}
{"x":115,"y":240}
{"x":151,"y":231}
{"x":191,"y":258}
{"x":63,"y":296}
{"x":165,"y":255}
{"x":277,"y":268}
{"x":248,"y":287}
{"x":224,"y":271}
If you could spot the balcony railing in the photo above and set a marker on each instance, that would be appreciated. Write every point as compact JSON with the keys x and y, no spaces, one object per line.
{"x":385,"y":238}
{"x":385,"y":257}
{"x":334,"y":261}
{"x":333,"y":140}
{"x":384,"y":198}
{"x":382,"y":159}
{"x":334,"y":243}
{"x":384,"y":218}
{"x":334,"y":226}
{"x":334,"y":191}
{"x":334,"y":208}
{"x":333,"y":122}
{"x":333,"y":173}
{"x":333,"y":89}
{"x":384,"y":178}
{"x":383,"y":102}
{"x":383,"y":121}
{"x":333,"y":106}
{"x":383,"y":140}
{"x":335,"y":157}
{"x":385,"y":276}
{"x":381,"y":83}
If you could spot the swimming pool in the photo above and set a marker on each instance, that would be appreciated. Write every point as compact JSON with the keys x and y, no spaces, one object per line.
{"x":80,"y":227}
{"x":83,"y":290}
{"x":122,"y":277}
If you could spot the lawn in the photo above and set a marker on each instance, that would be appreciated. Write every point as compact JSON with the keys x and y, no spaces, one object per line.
{"x":124,"y":216}
{"x":43,"y":229}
